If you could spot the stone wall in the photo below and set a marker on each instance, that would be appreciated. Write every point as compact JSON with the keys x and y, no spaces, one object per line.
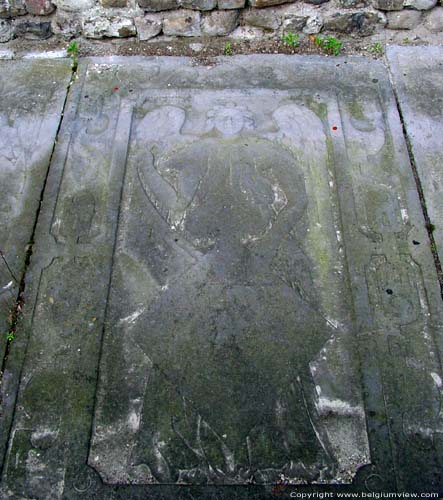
{"x":147,"y":19}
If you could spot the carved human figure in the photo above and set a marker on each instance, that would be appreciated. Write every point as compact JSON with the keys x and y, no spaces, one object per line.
{"x":236,"y":323}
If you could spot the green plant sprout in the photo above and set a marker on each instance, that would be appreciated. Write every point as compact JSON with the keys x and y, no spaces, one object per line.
{"x":73,"y":52}
{"x":228,"y":49}
{"x":376,"y":49}
{"x":290,"y":39}
{"x":330,"y":44}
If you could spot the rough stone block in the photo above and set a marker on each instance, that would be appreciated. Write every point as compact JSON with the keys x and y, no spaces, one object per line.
{"x":12,"y":8}
{"x":420,"y":4}
{"x":99,"y":26}
{"x":39,"y":7}
{"x":6,"y":30}
{"x":114,"y":3}
{"x":268,"y":19}
{"x":74,"y":5}
{"x":434,"y":20}
{"x":219,"y":22}
{"x":388,"y":5}
{"x":198,"y":4}
{"x":182,"y":23}
{"x":363,"y":23}
{"x":33,"y":30}
{"x":267,"y":3}
{"x":158,"y":5}
{"x":148,"y":26}
{"x":294,"y":24}
{"x":67,"y":24}
{"x":231,"y":4}
{"x":316,"y":2}
{"x":353,"y":4}
{"x":313,"y":25}
{"x":403,"y":20}
{"x":298,"y":13}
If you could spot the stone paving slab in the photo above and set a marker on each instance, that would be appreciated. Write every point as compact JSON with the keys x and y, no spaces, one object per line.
{"x":226,"y":290}
{"x":418,"y":77}
{"x":31,"y":102}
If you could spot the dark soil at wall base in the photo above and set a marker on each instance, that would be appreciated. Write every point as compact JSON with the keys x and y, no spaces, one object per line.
{"x":204,"y":49}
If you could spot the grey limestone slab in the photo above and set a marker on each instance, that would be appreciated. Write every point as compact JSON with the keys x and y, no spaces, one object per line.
{"x":225,"y":291}
{"x":417,"y":74}
{"x":31,"y":102}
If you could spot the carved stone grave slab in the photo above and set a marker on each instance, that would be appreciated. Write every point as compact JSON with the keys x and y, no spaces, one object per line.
{"x":32,"y":94}
{"x":418,"y":78}
{"x":226,"y":291}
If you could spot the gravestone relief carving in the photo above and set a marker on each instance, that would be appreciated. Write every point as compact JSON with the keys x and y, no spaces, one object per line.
{"x":253,"y":303}
{"x":231,"y":222}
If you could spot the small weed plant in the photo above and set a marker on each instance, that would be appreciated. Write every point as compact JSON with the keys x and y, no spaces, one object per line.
{"x":330,"y":44}
{"x":73,"y":52}
{"x":376,"y":49}
{"x":228,"y":49}
{"x":291,"y":39}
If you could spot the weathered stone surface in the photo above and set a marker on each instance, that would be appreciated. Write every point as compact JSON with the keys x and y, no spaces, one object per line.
{"x":353,"y":4}
{"x":6,"y":55}
{"x":313,"y":25}
{"x":39,"y":7}
{"x":6,"y":30}
{"x":219,"y":22}
{"x":404,"y":20}
{"x":316,"y":2}
{"x":12,"y":8}
{"x":240,"y":276}
{"x":294,"y":24}
{"x":418,"y":77}
{"x":388,"y":4}
{"x":295,"y":16}
{"x":74,"y":5}
{"x":114,"y":3}
{"x":113,"y":26}
{"x":33,"y":30}
{"x":68,"y":24}
{"x":182,"y":23}
{"x":31,"y":101}
{"x":267,"y":3}
{"x":434,"y":20}
{"x":262,"y":18}
{"x":158,"y":5}
{"x":47,"y":54}
{"x":231,"y":4}
{"x":363,"y":23}
{"x":148,"y":26}
{"x":198,"y":4}
{"x":420,"y":4}
{"x":247,"y":33}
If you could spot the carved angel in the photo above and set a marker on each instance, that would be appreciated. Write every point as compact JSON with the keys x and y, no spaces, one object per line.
{"x":236,"y":321}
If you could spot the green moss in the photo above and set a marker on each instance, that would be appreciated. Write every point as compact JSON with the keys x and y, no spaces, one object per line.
{"x":356,"y":110}
{"x":317,"y":237}
{"x":319,"y":108}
